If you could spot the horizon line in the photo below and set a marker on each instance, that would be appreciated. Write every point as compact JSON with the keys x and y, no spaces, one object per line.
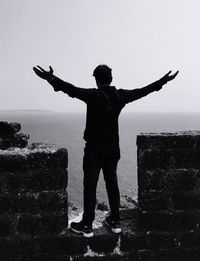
{"x":59,"y":111}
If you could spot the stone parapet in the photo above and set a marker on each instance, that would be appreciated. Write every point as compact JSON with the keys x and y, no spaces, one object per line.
{"x":169,"y":171}
{"x":33,"y":196}
{"x":169,"y":192}
{"x":165,"y":226}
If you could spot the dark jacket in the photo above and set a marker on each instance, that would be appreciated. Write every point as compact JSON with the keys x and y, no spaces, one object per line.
{"x":103,"y":108}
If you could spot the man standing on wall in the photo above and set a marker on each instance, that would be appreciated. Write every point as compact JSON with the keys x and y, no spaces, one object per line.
{"x":104,"y":105}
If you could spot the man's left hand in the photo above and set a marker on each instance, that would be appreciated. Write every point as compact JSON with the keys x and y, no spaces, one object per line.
{"x":167,"y":77}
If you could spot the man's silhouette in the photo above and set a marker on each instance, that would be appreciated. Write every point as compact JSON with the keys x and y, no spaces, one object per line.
{"x":104,"y":105}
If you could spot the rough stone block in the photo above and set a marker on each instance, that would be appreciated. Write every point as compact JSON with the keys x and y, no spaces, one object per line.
{"x":34,"y":202}
{"x":186,"y":157}
{"x":133,"y":241}
{"x":154,"y":200}
{"x":152,"y":159}
{"x":129,"y":214}
{"x":163,"y":200}
{"x":185,"y":201}
{"x":174,"y":254}
{"x":9,"y":128}
{"x":51,"y":157}
{"x":25,"y":170}
{"x":33,"y":180}
{"x":15,"y":248}
{"x":44,"y":223}
{"x":161,"y":240}
{"x":178,"y":253}
{"x":168,"y":158}
{"x":25,"y":246}
{"x":168,"y":170}
{"x":188,"y":239}
{"x":18,"y":140}
{"x":68,"y":244}
{"x":131,"y":227}
{"x":12,"y":160}
{"x":37,"y":158}
{"x":8,"y":224}
{"x":149,"y":179}
{"x":103,"y":244}
{"x":181,"y":139}
{"x":169,"y":180}
{"x":143,"y":254}
{"x":169,"y":221}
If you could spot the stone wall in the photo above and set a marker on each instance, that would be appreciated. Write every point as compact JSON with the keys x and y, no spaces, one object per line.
{"x":33,"y":197}
{"x":169,"y":190}
{"x":169,"y":171}
{"x":33,"y":203}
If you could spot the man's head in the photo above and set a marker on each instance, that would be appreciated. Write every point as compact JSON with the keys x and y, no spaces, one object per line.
{"x":103,"y":75}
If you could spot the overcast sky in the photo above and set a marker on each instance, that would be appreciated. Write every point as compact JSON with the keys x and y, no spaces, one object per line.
{"x":140,"y":40}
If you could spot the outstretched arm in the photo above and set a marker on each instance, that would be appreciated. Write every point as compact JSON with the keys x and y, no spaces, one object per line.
{"x":60,"y":85}
{"x":131,"y":95}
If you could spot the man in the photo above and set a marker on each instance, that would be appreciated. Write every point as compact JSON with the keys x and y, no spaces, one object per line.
{"x":104,"y":105}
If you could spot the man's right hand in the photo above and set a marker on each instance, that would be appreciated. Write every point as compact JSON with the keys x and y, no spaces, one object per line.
{"x":46,"y":75}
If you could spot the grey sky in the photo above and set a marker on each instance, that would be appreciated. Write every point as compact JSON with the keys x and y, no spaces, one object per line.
{"x":140,"y":39}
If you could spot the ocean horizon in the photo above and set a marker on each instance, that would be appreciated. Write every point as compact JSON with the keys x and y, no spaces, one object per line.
{"x":65,"y":129}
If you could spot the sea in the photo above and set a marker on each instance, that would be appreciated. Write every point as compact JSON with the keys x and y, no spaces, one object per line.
{"x":66,"y":130}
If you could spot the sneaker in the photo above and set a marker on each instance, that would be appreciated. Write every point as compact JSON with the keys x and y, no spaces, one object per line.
{"x":80,"y":228}
{"x":113,"y":225}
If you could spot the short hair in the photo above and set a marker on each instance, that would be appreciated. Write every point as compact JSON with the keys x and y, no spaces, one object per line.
{"x":103,"y":74}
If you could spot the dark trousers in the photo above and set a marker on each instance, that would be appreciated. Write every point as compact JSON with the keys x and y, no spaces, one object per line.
{"x":97,"y":158}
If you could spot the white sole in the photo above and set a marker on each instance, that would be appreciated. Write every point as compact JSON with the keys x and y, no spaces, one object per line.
{"x":88,"y":235}
{"x":114,"y":230}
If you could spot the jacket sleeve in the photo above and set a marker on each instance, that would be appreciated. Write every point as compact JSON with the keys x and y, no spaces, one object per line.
{"x":135,"y":94}
{"x":83,"y":94}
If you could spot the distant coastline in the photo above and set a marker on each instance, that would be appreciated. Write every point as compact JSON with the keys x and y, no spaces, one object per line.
{"x":25,"y":111}
{"x":83,"y":111}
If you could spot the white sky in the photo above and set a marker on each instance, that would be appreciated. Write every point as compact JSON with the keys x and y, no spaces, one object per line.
{"x":140,"y":40}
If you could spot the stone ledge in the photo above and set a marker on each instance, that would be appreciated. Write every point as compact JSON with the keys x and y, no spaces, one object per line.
{"x":181,"y":139}
{"x":42,"y":157}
